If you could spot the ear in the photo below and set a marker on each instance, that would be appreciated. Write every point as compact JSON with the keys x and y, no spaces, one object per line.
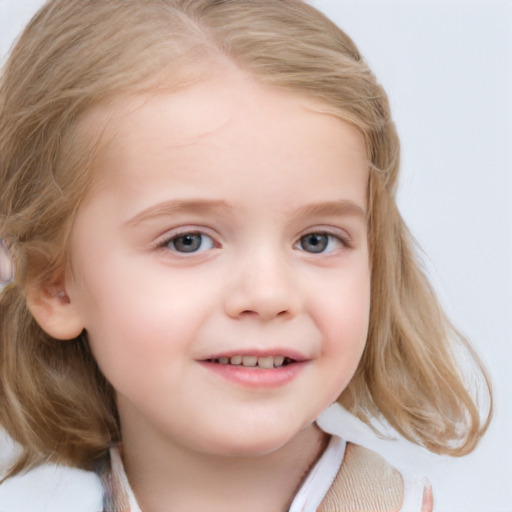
{"x":54,"y":312}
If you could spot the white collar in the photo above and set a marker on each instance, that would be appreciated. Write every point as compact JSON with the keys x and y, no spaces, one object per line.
{"x":309,"y":496}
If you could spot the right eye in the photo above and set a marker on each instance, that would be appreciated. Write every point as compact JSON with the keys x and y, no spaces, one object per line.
{"x":321,"y":242}
{"x":187,"y":243}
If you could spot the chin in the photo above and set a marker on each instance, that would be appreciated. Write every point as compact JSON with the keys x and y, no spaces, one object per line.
{"x":250,"y":450}
{"x":250,"y":446}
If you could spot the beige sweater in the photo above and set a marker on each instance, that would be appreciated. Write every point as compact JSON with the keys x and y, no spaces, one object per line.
{"x":366,"y":482}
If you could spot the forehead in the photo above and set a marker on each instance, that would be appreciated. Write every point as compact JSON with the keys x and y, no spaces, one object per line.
{"x":225,"y":122}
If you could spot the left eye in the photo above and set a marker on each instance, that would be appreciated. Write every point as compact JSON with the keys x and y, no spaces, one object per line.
{"x":319,"y":243}
{"x":190,"y":243}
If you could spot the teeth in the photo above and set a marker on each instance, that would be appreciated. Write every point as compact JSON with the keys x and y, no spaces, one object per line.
{"x":266,"y":362}
{"x":278,"y":361}
{"x":249,"y":360}
{"x":236,"y":360}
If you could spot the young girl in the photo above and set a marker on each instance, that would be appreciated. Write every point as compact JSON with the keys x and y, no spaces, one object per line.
{"x":198,"y":200}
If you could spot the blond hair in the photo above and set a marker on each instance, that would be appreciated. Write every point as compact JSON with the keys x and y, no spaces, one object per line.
{"x":75,"y":56}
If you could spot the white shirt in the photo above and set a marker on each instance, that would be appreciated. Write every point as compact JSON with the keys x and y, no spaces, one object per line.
{"x":51,"y":488}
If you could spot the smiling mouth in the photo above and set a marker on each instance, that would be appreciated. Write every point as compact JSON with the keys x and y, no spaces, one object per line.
{"x":265,"y":362}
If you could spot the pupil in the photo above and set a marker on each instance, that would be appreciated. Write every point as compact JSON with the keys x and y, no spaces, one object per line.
{"x":314,"y":242}
{"x":188,"y":243}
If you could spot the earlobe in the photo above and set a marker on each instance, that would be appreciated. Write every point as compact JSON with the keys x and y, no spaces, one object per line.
{"x":53,"y":310}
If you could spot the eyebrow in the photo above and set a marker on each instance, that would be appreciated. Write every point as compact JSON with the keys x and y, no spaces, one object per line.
{"x":341,"y":208}
{"x":173,"y":207}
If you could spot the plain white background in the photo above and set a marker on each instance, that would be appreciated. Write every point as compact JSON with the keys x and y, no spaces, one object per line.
{"x":447,"y":66}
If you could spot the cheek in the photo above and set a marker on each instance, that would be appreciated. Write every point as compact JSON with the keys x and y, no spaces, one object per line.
{"x":130,"y":340}
{"x":346,"y":307}
{"x":346,"y":336}
{"x":344,"y":313}
{"x":342,"y":317}
{"x":140,"y":319}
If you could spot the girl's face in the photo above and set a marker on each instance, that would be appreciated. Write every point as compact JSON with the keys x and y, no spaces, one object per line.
{"x":220,"y":264}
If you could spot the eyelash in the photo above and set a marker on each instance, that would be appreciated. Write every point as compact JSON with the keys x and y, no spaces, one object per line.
{"x":324,"y":240}
{"x":343,"y":240}
{"x":175,"y":237}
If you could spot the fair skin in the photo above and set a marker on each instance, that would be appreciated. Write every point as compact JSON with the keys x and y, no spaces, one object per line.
{"x":227,"y":224}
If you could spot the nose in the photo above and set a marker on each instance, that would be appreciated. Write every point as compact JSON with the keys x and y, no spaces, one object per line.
{"x":263,"y":286}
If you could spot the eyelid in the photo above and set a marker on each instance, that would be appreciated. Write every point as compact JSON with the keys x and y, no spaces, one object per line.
{"x":341,"y":234}
{"x":163,"y":241}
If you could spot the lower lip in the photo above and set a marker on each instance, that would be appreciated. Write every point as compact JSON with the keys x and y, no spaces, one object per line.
{"x":256,"y":377}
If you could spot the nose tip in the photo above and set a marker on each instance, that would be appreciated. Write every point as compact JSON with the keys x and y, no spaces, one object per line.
{"x":263,"y":291}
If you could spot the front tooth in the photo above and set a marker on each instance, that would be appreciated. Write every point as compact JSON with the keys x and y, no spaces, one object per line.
{"x":223,"y":360}
{"x":278,"y":361}
{"x":236,"y":360}
{"x":249,"y":360}
{"x":266,"y":362}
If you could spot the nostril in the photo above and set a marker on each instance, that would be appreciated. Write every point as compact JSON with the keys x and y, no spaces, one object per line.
{"x":266,"y":314}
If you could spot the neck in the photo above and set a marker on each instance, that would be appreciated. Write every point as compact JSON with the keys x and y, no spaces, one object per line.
{"x":174,"y":478}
